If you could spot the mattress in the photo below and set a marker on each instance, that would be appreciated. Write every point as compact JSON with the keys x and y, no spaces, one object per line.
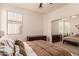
{"x":44,"y":48}
{"x":72,"y":38}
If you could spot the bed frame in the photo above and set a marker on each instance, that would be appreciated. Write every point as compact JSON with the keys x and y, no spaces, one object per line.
{"x":71,"y":42}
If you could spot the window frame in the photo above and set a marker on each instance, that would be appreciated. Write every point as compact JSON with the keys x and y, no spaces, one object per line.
{"x":21,"y":22}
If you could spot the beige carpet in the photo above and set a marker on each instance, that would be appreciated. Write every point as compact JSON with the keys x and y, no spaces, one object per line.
{"x":69,"y":47}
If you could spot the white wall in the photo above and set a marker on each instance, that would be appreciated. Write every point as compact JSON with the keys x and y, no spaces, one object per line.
{"x":0,"y":17}
{"x":32,"y":21}
{"x":74,"y":22}
{"x":46,"y":27}
{"x":66,"y":11}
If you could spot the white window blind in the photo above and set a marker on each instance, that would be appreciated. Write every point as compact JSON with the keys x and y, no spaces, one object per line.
{"x":14,"y":23}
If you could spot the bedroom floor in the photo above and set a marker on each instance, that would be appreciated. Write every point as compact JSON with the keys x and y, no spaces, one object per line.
{"x":69,"y":47}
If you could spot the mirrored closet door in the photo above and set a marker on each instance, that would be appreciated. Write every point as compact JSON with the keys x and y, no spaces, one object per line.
{"x":64,"y":27}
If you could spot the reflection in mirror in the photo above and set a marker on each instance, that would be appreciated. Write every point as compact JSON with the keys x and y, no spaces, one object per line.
{"x":65,"y":27}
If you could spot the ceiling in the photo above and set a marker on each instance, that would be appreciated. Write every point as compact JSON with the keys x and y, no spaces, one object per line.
{"x":35,"y":6}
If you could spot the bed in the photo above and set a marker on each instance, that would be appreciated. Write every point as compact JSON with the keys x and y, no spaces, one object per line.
{"x":11,"y":47}
{"x":44,"y":48}
{"x":73,"y":39}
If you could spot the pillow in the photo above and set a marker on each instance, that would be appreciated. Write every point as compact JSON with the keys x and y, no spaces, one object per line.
{"x":6,"y":46}
{"x":21,"y":47}
{"x":77,"y":35}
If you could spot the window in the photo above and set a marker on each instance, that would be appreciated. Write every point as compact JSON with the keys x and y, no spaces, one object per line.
{"x":14,"y":23}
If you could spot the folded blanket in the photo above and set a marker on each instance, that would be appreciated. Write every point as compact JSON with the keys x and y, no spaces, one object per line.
{"x":21,"y":49}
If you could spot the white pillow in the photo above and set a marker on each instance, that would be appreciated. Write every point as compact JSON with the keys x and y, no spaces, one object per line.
{"x":7,"y":46}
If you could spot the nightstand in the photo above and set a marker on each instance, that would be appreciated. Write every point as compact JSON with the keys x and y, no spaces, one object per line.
{"x":56,"y":38}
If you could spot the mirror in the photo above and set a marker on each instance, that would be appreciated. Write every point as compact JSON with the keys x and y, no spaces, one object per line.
{"x":66,"y":26}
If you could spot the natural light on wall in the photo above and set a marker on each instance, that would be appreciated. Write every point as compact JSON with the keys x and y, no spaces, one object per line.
{"x":14,"y":23}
